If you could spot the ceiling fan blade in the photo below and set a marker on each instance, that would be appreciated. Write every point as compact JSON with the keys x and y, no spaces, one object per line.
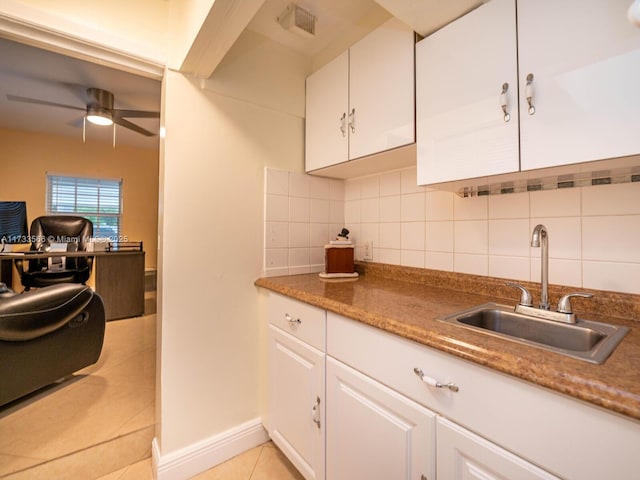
{"x":132,"y":126}
{"x":17,"y":98}
{"x":135,"y":113}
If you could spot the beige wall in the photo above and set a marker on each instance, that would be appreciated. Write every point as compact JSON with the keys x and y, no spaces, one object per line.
{"x":26,"y":157}
{"x":211,"y":325}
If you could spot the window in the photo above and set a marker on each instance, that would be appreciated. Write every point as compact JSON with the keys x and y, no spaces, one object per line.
{"x":97,"y":199}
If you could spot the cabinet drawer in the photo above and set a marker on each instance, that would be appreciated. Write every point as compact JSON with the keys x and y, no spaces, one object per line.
{"x":530,"y":421}
{"x":299,"y":319}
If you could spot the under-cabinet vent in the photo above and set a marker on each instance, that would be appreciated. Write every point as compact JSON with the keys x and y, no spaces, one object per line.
{"x":298,"y":20}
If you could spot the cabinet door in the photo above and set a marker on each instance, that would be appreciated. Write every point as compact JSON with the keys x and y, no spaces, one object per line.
{"x":373,"y":432}
{"x":584,"y":56}
{"x":463,"y":455}
{"x":381,"y":89}
{"x":327,"y":102}
{"x":297,"y":402}
{"x":460,"y":72}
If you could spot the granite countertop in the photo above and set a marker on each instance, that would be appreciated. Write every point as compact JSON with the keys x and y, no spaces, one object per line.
{"x":406,"y":302}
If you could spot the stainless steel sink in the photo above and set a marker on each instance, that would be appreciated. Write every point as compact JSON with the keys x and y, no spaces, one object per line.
{"x":586,"y":340}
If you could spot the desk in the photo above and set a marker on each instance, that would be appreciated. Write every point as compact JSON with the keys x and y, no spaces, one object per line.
{"x":118,"y":277}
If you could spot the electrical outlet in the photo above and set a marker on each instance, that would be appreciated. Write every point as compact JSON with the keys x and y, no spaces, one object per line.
{"x":367,"y":253}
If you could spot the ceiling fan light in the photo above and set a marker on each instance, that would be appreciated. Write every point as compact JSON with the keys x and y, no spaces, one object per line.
{"x":99,"y":116}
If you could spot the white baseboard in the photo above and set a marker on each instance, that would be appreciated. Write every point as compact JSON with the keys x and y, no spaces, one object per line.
{"x":207,"y":453}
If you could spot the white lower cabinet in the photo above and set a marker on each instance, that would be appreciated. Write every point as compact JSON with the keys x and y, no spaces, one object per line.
{"x":373,"y":432}
{"x":349,"y":401}
{"x":296,"y":421}
{"x":462,"y":455}
{"x":297,"y":402}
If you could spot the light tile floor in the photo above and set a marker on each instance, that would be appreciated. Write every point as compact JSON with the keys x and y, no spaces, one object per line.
{"x":105,"y":413}
{"x":265,"y":462}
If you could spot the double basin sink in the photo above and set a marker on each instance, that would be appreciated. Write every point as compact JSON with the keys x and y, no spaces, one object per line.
{"x":585,"y":340}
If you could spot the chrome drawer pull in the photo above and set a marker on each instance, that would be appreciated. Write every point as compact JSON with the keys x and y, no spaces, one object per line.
{"x":291,"y":320}
{"x":432,"y":382}
{"x":315,"y":413}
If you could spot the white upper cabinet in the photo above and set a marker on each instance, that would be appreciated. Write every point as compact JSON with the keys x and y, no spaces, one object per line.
{"x":460,"y":73}
{"x":362,"y":102}
{"x":584,"y":56}
{"x":327,"y":101}
{"x":578,"y":65}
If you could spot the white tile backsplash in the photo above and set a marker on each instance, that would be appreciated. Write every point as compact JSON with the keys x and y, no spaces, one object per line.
{"x":594,"y":232}
{"x":412,"y":207}
{"x":439,"y":206}
{"x":622,"y":199}
{"x":611,"y":238}
{"x":619,"y":277}
{"x":390,"y":184}
{"x":508,"y":267}
{"x":298,"y":209}
{"x":277,"y":208}
{"x":370,"y":187}
{"x":473,"y":264}
{"x":389,"y":208}
{"x":412,"y":236}
{"x":389,"y":236}
{"x":471,"y":236}
{"x":472,"y":208}
{"x":509,"y":206}
{"x":563,"y":202}
{"x":370,"y":210}
{"x":439,"y":261}
{"x":439,"y":237}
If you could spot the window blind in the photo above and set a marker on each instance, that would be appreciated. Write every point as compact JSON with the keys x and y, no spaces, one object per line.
{"x":99,"y":200}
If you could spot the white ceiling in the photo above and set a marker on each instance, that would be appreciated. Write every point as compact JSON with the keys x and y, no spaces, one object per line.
{"x":333,"y":18}
{"x":32,"y":72}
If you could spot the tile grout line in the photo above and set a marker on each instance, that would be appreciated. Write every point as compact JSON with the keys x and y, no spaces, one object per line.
{"x":70,"y":454}
{"x":255,"y":465}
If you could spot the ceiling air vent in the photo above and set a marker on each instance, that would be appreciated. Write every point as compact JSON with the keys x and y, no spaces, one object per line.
{"x":298,"y":20}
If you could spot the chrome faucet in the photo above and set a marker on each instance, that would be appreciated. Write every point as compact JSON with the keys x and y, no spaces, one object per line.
{"x":540,"y":238}
{"x":564,"y":312}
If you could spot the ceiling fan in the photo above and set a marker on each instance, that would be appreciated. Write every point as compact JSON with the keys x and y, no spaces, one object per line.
{"x":99,"y":110}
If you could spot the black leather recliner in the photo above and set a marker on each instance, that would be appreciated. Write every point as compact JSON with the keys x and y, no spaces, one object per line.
{"x":72,"y":230}
{"x":47,"y":334}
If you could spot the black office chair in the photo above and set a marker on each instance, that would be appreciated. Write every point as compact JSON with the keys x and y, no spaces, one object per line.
{"x":76,"y":232}
{"x":46,"y":335}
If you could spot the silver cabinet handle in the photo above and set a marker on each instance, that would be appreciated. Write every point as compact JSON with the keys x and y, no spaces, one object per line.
{"x":432,"y":382}
{"x":504,"y":102}
{"x":291,"y":320}
{"x":352,"y":120}
{"x":343,"y":128}
{"x":528,"y":92}
{"x":315,"y":412}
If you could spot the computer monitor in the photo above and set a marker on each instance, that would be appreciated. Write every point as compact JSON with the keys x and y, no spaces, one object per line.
{"x":13,"y":223}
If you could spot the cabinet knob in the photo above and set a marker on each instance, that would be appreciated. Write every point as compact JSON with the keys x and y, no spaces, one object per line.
{"x":504,"y":102}
{"x":432,"y":382}
{"x":528,"y":92}
{"x":352,"y":120}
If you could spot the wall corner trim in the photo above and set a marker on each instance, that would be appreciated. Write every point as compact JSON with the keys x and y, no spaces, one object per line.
{"x":207,"y":453}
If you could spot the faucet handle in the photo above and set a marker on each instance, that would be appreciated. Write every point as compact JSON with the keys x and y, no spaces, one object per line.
{"x":564,"y":304}
{"x":525,"y":297}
